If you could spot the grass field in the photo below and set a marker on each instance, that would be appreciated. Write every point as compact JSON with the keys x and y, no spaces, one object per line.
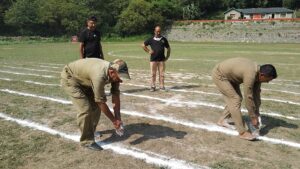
{"x":171,"y":129}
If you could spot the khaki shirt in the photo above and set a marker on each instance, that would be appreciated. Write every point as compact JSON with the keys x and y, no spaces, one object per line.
{"x":242,"y":70}
{"x":92,"y":72}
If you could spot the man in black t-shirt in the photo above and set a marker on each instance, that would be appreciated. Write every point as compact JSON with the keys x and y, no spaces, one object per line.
{"x":90,"y":46}
{"x":158,"y":44}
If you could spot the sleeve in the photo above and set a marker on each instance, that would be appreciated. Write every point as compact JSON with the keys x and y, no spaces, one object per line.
{"x":167,"y":45}
{"x":82,"y":36}
{"x":249,"y":81}
{"x":98,"y":85}
{"x":147,"y":42}
{"x":115,"y":88}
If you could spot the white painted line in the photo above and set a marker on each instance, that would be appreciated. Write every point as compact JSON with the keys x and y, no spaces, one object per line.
{"x":53,"y":67}
{"x":208,"y":127}
{"x":281,"y":101}
{"x":215,"y":94}
{"x":36,"y":96}
{"x":40,"y":83}
{"x":32,"y":82}
{"x":150,"y":158}
{"x":6,"y":79}
{"x":37,"y":70}
{"x":281,"y":91}
{"x":179,"y":103}
{"x":171,"y":102}
{"x":26,"y":74}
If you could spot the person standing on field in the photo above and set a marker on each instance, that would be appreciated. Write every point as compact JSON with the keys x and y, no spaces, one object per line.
{"x":84,"y":81}
{"x":228,"y":75}
{"x":90,"y":37}
{"x":158,"y":44}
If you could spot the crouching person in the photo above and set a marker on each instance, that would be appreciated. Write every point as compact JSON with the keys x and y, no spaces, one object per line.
{"x":228,"y":75}
{"x":84,"y":81}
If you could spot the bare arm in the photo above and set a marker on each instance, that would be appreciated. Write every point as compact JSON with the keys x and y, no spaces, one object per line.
{"x":116,"y":106}
{"x":168,"y":53}
{"x":104,"y":108}
{"x":81,"y":49}
{"x":146,"y":49}
{"x":101,"y":52}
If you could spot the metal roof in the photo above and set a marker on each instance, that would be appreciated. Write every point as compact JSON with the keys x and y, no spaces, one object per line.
{"x":262,"y":10}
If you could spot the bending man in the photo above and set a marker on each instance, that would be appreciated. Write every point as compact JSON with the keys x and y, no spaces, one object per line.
{"x":228,"y":75}
{"x":84,"y":81}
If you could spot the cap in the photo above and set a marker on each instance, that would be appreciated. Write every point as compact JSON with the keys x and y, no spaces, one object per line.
{"x":121,"y":67}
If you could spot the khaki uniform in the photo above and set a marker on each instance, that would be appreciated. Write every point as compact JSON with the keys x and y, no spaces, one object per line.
{"x":228,"y":75}
{"x":84,"y":82}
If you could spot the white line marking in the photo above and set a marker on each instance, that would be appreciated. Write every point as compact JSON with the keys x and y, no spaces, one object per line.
{"x":217,"y":94}
{"x":40,"y":83}
{"x":179,"y":103}
{"x":36,"y":96}
{"x":207,"y":127}
{"x":38,"y":70}
{"x":282,"y":91}
{"x":26,"y":74}
{"x":281,"y":101}
{"x":148,"y":157}
{"x":50,"y":67}
{"x":6,"y":79}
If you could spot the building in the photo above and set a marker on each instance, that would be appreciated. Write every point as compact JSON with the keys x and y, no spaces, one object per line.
{"x":258,"y":13}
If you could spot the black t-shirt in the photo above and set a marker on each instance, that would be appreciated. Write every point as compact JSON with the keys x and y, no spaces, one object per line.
{"x":158,"y":46}
{"x":91,"y":43}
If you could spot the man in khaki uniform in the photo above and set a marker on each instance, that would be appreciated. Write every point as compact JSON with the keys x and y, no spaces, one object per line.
{"x":228,"y":75}
{"x":84,"y":82}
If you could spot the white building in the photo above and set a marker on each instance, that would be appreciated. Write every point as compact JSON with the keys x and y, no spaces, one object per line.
{"x":258,"y":13}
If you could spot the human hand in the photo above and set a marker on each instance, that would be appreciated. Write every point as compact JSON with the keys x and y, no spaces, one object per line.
{"x":119,"y":127}
{"x":151,"y":52}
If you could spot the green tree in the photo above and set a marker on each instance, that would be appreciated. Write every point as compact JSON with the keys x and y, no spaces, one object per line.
{"x":138,"y":18}
{"x":23,"y":15}
{"x":292,"y":4}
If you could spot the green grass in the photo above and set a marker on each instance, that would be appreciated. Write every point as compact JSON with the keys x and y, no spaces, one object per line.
{"x":197,"y":58}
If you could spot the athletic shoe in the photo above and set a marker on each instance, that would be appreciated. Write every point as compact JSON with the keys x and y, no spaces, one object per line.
{"x":94,"y":146}
{"x":152,"y":89}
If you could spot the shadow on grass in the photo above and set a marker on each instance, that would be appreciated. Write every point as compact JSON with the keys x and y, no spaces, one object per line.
{"x":185,"y":87}
{"x":271,"y":123}
{"x":146,"y":132}
{"x":173,"y":87}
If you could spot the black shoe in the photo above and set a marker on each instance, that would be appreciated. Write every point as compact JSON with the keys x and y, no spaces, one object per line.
{"x":152,"y":89}
{"x":93,"y":146}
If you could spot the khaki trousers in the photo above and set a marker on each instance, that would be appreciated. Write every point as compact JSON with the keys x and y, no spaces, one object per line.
{"x":83,"y":99}
{"x":233,"y":99}
{"x":160,"y":67}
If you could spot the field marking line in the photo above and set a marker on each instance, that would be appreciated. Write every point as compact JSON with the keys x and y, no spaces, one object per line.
{"x":208,"y":127}
{"x":147,"y":156}
{"x":27,"y":74}
{"x":38,"y":70}
{"x":216,"y":94}
{"x":31,"y":82}
{"x":190,"y":103}
{"x":179,"y":103}
{"x":52,"y":67}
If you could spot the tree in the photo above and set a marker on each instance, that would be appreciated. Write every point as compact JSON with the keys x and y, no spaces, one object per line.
{"x":137,"y":18}
{"x":292,"y":4}
{"x":23,"y":15}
